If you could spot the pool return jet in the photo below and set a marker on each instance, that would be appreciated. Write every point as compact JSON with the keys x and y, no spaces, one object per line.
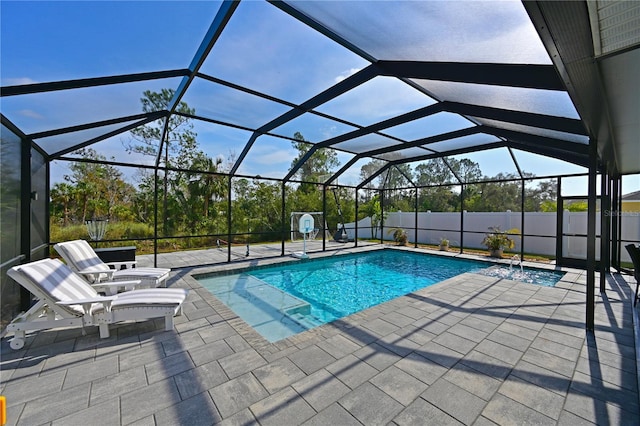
{"x":305,"y":226}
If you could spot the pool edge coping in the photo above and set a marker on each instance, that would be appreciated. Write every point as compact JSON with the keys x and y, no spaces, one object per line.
{"x":261,"y":344}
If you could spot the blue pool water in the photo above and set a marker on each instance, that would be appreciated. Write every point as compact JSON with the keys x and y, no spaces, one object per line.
{"x":282,"y":300}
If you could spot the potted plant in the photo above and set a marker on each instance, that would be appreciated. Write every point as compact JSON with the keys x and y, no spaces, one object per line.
{"x":497,"y":240}
{"x":399,"y":236}
{"x":444,"y":244}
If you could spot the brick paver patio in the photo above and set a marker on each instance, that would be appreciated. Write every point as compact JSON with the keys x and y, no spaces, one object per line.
{"x":472,"y":350}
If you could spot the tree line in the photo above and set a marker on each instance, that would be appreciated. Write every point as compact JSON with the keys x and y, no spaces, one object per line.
{"x":192,"y":190}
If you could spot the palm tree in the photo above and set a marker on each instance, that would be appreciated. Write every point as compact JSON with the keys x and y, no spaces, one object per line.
{"x":63,"y":194}
{"x":210,"y":185}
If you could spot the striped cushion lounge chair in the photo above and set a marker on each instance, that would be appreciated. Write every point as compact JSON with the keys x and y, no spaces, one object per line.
{"x":81,"y":258}
{"x":66,"y":300}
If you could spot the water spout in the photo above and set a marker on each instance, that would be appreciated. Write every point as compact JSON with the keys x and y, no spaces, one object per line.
{"x":516,"y":258}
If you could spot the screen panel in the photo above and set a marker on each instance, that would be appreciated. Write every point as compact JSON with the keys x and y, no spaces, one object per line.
{"x":452,"y":31}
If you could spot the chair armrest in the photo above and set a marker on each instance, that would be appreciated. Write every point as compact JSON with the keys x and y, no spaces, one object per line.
{"x":131,"y":283}
{"x":113,"y":286}
{"x":96,"y":273}
{"x":118,"y":265}
{"x":86,"y":303}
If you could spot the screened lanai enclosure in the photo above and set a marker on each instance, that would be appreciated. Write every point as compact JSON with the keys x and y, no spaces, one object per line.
{"x":178,"y":126}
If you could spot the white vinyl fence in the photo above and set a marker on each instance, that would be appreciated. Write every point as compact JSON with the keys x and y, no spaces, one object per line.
{"x":540,"y":229}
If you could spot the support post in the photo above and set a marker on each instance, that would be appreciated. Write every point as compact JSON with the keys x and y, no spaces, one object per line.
{"x":415,"y":221}
{"x":559,"y":220}
{"x":605,"y":206}
{"x":229,"y":220}
{"x":282,"y":218}
{"x":522,"y":222}
{"x":25,"y":213}
{"x":324,"y":217}
{"x":591,"y":236}
{"x":615,"y":222}
{"x":462,"y":189}
{"x":619,"y":218}
{"x":155,"y":216}
{"x":355,"y":223}
{"x":382,"y":216}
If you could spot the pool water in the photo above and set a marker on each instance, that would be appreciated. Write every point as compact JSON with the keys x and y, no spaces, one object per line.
{"x":526,"y":275}
{"x":283,"y":300}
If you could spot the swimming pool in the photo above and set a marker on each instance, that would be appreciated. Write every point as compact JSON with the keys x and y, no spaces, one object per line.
{"x":282,"y":300}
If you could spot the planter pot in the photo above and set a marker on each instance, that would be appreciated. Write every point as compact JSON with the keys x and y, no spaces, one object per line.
{"x":444,"y":247}
{"x":495,"y":253}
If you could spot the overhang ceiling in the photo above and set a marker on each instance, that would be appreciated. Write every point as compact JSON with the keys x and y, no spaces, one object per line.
{"x":594,"y":45}
{"x":453,"y":78}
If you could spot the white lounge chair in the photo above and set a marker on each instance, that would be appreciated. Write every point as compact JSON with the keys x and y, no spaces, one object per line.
{"x":67,"y":300}
{"x":81,"y":258}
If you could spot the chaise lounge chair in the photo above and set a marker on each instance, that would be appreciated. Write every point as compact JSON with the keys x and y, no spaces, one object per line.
{"x":81,"y":258}
{"x":67,"y":300}
{"x":634,"y":253}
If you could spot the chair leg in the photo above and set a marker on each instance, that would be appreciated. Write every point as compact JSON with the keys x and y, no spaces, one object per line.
{"x":104,"y":330}
{"x":168,"y":322}
{"x":18,"y":340}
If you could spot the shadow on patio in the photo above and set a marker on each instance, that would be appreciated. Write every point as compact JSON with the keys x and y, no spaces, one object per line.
{"x":469,"y":350}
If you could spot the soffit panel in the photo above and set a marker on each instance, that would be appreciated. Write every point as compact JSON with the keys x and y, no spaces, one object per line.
{"x":619,"y":24}
{"x":622,"y":88}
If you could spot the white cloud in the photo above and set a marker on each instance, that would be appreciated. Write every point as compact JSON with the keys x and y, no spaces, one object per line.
{"x":273,"y":157}
{"x":30,"y":114}
{"x":19,"y":81}
{"x":346,"y":74}
{"x":329,"y":132}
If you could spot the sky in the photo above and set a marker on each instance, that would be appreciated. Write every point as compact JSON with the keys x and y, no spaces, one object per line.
{"x":265,"y":50}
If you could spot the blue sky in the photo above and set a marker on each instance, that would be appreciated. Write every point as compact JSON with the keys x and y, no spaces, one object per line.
{"x":263,"y":49}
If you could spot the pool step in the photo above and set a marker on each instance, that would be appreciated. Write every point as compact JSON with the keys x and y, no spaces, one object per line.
{"x":305,"y":320}
{"x":260,"y":293}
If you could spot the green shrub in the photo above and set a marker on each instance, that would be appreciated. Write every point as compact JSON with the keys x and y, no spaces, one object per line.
{"x":67,"y":233}
{"x":115,"y":231}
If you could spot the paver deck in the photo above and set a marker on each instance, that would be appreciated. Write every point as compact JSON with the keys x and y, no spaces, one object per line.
{"x":472,"y":350}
